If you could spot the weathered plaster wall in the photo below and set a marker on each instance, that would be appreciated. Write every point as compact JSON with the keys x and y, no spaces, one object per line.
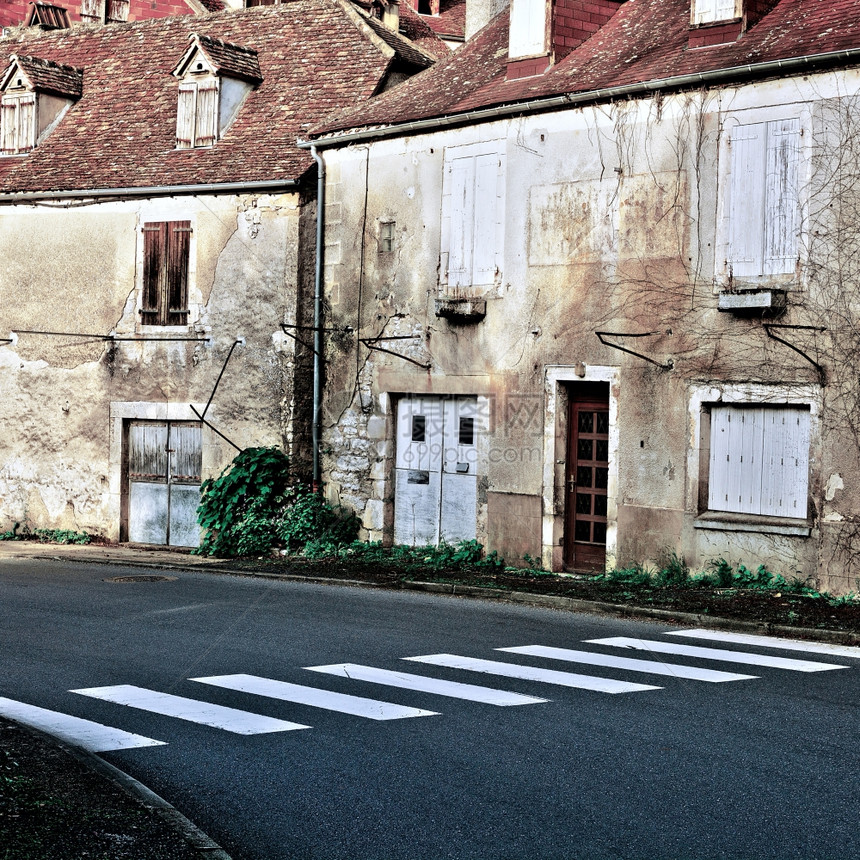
{"x":79,"y":270}
{"x":612,"y":223}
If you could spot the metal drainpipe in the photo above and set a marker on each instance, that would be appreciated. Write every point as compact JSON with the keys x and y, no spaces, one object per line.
{"x":318,"y":340}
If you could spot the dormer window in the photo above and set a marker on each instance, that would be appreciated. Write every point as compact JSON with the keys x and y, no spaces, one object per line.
{"x":713,"y":11}
{"x":215,"y":78}
{"x":34,"y":96}
{"x":528,"y":28}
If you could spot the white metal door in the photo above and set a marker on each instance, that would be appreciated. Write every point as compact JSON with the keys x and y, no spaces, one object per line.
{"x":164,"y":473}
{"x":435,"y":496}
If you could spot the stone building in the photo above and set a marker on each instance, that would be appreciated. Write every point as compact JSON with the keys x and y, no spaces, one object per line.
{"x":157,"y":253}
{"x":592,"y":284}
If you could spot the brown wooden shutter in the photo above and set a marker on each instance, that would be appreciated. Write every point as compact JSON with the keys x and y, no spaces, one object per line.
{"x":154,"y":269}
{"x":178,"y":248}
{"x":117,"y":11}
{"x":206,"y":115}
{"x":185,"y":115}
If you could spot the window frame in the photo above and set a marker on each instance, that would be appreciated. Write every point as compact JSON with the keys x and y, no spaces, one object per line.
{"x":714,"y":11}
{"x":166,"y":255}
{"x":527,"y":36}
{"x":702,"y":399}
{"x":25,"y":140}
{"x":473,"y":263}
{"x":194,"y":113}
{"x":763,"y":270}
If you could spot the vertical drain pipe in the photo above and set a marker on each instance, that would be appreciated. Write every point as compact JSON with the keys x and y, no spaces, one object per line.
{"x":318,"y":340}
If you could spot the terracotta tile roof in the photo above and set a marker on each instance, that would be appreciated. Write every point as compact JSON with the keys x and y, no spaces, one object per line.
{"x":14,"y":13}
{"x":314,"y":59}
{"x":414,"y":28}
{"x":644,"y":41}
{"x":48,"y":77}
{"x":451,"y":20}
{"x":405,"y":49}
{"x":229,"y":59}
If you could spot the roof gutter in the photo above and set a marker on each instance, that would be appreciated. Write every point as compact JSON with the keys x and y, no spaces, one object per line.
{"x":714,"y":76}
{"x":149,"y":191}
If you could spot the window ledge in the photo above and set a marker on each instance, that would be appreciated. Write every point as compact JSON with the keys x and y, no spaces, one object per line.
{"x":728,"y":522}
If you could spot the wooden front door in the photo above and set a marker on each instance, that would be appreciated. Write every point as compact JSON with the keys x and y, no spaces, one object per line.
{"x":587,"y":478}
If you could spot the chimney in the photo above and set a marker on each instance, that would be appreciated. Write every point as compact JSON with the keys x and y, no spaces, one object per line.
{"x":391,"y":15}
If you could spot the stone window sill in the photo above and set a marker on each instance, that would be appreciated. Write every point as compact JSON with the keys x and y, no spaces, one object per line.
{"x":729,"y":522}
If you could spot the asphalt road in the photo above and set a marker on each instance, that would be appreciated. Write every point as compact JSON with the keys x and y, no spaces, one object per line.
{"x":765,"y":767}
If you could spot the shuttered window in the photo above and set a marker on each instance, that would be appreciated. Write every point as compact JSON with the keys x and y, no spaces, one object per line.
{"x":527,"y":29}
{"x":472,"y":216}
{"x":166,"y":247}
{"x":764,"y":213}
{"x":18,"y":123}
{"x":197,"y":113}
{"x":710,"y":11}
{"x":759,"y":461}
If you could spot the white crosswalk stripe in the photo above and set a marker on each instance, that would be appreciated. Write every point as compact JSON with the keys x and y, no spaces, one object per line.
{"x":216,"y":716}
{"x":92,"y":736}
{"x":423,"y":684}
{"x":716,"y":654}
{"x":823,"y":648}
{"x":652,"y":667}
{"x":531,"y":673}
{"x":356,"y":706}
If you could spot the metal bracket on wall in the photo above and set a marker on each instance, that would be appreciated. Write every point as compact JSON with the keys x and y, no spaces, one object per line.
{"x":822,"y":374}
{"x":212,"y":395}
{"x":370,"y":343}
{"x":603,"y":334}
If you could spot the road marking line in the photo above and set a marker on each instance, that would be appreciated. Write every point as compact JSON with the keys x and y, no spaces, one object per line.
{"x":716,"y":654}
{"x":315,"y":698}
{"x":94,"y":737}
{"x":423,"y":684}
{"x":216,"y":716}
{"x":531,"y":673}
{"x":653,"y":667}
{"x":772,"y":642}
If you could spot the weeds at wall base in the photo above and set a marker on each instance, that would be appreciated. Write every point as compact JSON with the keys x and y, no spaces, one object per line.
{"x":65,"y":536}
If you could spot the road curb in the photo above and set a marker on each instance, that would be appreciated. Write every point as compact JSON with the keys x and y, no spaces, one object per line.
{"x":139,"y":792}
{"x":548,"y":601}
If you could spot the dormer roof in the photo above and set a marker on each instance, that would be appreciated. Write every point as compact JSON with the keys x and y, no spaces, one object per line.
{"x":220,"y":58}
{"x":48,"y":16}
{"x":44,"y":76}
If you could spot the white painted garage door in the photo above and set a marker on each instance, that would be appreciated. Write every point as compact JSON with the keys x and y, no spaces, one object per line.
{"x":435,"y":496}
{"x":164,"y":466}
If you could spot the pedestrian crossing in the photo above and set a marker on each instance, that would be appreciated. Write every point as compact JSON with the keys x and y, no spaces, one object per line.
{"x":602,"y":656}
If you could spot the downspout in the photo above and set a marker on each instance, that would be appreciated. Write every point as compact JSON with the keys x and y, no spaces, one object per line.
{"x":318,"y":340}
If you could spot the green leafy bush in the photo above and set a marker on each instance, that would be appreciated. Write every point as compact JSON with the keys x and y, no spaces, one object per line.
{"x":237,"y":508}
{"x":45,"y":535}
{"x":309,"y":521}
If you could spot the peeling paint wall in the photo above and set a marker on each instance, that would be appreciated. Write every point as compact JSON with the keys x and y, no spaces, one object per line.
{"x":614,"y":222}
{"x":77,"y":270}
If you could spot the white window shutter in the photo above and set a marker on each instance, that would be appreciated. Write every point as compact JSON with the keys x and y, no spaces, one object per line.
{"x":461,"y":236}
{"x":486,"y":209}
{"x":726,"y":10}
{"x":185,"y":115}
{"x":206,"y":115}
{"x":747,"y":190}
{"x":759,"y":460}
{"x":26,"y":122}
{"x":527,"y":28}
{"x":781,"y":218}
{"x":9,"y":126}
{"x":704,"y":11}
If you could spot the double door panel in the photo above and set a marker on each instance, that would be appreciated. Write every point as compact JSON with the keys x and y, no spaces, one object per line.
{"x":435,"y":472}
{"x":164,"y":476}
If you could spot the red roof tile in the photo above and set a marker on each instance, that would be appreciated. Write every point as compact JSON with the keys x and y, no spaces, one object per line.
{"x":451,"y":20}
{"x":315,"y":58}
{"x":229,"y":59}
{"x":646,"y":40}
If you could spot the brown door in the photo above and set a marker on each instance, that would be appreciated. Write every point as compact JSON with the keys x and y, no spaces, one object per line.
{"x":587,"y":474}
